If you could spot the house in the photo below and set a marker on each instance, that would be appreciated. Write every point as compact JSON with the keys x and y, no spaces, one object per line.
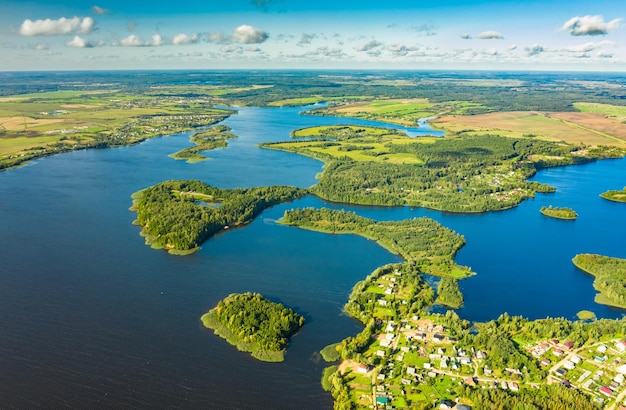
{"x":406,"y":382}
{"x":428,"y":366}
{"x":504,"y":386}
{"x":438,"y":338}
{"x":545,"y":362}
{"x":619,"y":378}
{"x":381,"y":377}
{"x":383,"y":401}
{"x":410,"y":371}
{"x":621,"y":346}
{"x":465,"y":361}
{"x":569,"y":345}
{"x":513,"y":386}
{"x":405,"y":349}
{"x":380,"y":353}
{"x":463,"y":407}
{"x":621,"y":369}
{"x":471,"y":381}
{"x":443,"y":364}
{"x":446,"y":404}
{"x":363,"y":369}
{"x":561,"y":371}
{"x":569,"y":365}
{"x":557,"y":352}
{"x":385,"y":343}
{"x":420,"y":336}
{"x":575,"y":359}
{"x":605,"y":390}
{"x":601,"y":349}
{"x":382,"y":302}
{"x":566,"y":383}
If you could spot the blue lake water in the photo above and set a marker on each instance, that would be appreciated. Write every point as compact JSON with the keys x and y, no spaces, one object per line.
{"x":91,"y":317}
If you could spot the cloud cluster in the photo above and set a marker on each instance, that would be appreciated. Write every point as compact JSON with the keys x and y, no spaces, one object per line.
{"x":99,"y":10}
{"x":134,"y":40}
{"x":249,"y":35}
{"x":62,"y":26}
{"x":184,"y":39}
{"x":307,"y":38}
{"x":79,"y":42}
{"x":534,"y":50}
{"x":588,"y":47}
{"x":490,"y":35}
{"x":590,"y":26}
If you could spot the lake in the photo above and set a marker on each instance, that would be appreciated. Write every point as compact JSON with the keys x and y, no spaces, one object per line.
{"x":91,"y":317}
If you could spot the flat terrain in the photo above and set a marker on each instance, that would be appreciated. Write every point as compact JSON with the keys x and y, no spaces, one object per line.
{"x":571,"y":127}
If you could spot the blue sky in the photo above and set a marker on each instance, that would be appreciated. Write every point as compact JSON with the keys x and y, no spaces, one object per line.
{"x":259,"y":34}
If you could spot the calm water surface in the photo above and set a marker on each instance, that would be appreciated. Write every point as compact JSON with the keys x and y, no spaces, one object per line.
{"x":91,"y":317}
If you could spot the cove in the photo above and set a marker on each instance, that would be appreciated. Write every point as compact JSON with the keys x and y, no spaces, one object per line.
{"x":91,"y":315}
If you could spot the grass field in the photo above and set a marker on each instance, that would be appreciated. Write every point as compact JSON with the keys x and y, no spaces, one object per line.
{"x":571,"y":127}
{"x":44,"y":123}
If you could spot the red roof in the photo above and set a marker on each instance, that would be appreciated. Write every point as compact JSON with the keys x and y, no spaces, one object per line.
{"x":606,"y":390}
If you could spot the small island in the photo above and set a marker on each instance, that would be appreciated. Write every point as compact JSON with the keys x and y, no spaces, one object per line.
{"x":179,"y":215}
{"x":610,"y":277}
{"x":254,"y":324}
{"x":559,"y":213}
{"x":449,"y":294}
{"x":212,"y":138}
{"x":615,"y":195}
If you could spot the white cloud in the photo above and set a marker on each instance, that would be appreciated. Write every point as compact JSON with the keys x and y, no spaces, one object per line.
{"x":134,"y":40}
{"x":249,"y":35}
{"x":490,"y":35}
{"x":184,"y":39}
{"x":42,"y":47}
{"x":512,"y":47}
{"x":307,"y":38}
{"x":49,"y":27}
{"x":79,"y":42}
{"x":590,"y":26}
{"x":217,"y":37}
{"x":369,"y":46}
{"x":466,"y":36}
{"x":157,"y":40}
{"x":99,"y":10}
{"x":400,"y":50}
{"x":230,"y":49}
{"x":587,"y":47}
{"x":534,"y":50}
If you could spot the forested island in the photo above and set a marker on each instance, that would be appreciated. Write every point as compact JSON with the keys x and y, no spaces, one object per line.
{"x":475,"y":173}
{"x":615,"y":195}
{"x":212,"y":138}
{"x":610,"y":277}
{"x":254,"y":324}
{"x":179,"y":215}
{"x":559,"y":213}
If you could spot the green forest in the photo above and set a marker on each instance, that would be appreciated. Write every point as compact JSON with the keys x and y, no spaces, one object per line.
{"x":421,"y":241}
{"x":610,"y":277}
{"x":559,"y":213}
{"x":449,"y":294}
{"x":180,"y":215}
{"x":212,"y":138}
{"x":254,"y":324}
{"x":455,"y":174}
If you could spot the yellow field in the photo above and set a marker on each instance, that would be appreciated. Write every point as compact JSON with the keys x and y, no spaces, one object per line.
{"x":22,"y":123}
{"x":570,"y":127}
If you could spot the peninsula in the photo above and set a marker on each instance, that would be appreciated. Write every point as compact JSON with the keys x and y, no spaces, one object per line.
{"x":610,"y":277}
{"x":615,"y":195}
{"x":179,"y":215}
{"x":254,"y":324}
{"x":212,"y":138}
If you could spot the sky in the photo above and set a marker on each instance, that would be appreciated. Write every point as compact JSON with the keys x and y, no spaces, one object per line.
{"x":568,"y":35}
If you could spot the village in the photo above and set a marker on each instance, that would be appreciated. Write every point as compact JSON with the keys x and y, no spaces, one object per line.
{"x":415,"y":362}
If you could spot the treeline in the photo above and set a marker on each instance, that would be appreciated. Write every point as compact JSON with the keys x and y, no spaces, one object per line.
{"x":180,"y":215}
{"x":254,"y":323}
{"x":461,"y":174}
{"x":615,"y":195}
{"x":561,"y":213}
{"x":213,"y":138}
{"x":610,"y":277}
{"x":547,"y":397}
{"x":449,"y":294}
{"x":421,"y":241}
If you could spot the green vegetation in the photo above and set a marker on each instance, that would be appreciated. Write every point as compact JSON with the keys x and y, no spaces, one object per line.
{"x":449,"y":294}
{"x":331,"y":353}
{"x":214,"y":137}
{"x":254,"y":324}
{"x":420,"y":241}
{"x":180,"y":215}
{"x":40,"y":124}
{"x":326,"y":375}
{"x":399,"y":111}
{"x":373,"y":166}
{"x":617,"y":196}
{"x":547,"y":397}
{"x":610,"y":277}
{"x":585,"y":315}
{"x":559,"y":213}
